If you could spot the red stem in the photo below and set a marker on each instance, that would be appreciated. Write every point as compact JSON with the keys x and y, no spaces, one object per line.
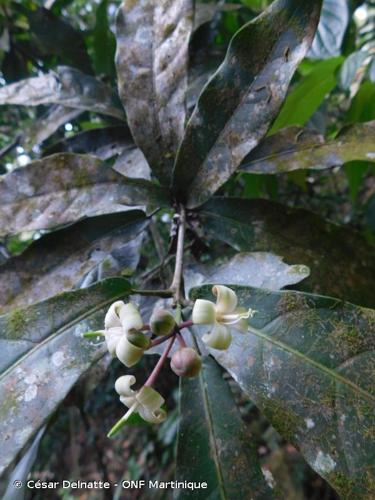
{"x":181,"y":340}
{"x":155,"y":372}
{"x":185,"y":324}
{"x":160,"y":340}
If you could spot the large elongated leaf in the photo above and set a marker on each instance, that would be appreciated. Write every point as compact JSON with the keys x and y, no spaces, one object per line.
{"x":331,"y":30}
{"x":151,"y":59}
{"x":258,"y":269}
{"x":297,"y":148}
{"x":59,"y":261}
{"x":64,"y":188}
{"x":243,"y":97}
{"x":66,"y":86}
{"x":209,"y":422}
{"x":308,"y":363}
{"x":101,"y":142}
{"x":47,"y":125}
{"x":308,"y":95}
{"x":340,"y":260}
{"x":42,"y":356}
{"x":104,"y":43}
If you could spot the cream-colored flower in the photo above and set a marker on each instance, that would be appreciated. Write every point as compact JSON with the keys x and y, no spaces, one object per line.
{"x":146,"y":402}
{"x":120,"y":320}
{"x":223,"y":315}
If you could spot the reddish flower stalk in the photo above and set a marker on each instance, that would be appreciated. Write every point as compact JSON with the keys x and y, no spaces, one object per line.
{"x":155,"y":372}
{"x":160,"y":340}
{"x":185,"y":324}
{"x":181,"y":340}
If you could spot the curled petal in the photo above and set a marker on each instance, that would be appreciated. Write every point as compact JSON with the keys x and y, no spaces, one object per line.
{"x":112,"y":338}
{"x":149,"y":398}
{"x":128,"y":353}
{"x":112,"y":318}
{"x":130,"y":317}
{"x":123,"y":386}
{"x":219,"y":338}
{"x":226,"y":299}
{"x":154,"y":417}
{"x":204,"y":312}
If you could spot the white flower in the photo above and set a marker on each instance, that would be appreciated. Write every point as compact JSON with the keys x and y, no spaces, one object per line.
{"x":120,"y":320}
{"x":147,"y":402}
{"x":223,"y":315}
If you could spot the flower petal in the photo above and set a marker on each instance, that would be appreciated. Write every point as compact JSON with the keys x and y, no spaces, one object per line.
{"x":112,"y":318}
{"x":123,"y":385}
{"x":130,"y":317}
{"x":154,"y":417}
{"x":149,"y":398}
{"x":219,"y":338}
{"x":128,"y":353}
{"x":226,"y":299}
{"x":112,"y":338}
{"x":204,"y":312}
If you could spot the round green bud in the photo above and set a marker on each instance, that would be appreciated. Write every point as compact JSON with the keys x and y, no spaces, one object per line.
{"x":138,"y":339}
{"x":162,"y":322}
{"x":186,"y":362}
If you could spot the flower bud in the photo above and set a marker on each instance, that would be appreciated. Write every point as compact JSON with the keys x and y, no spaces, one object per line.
{"x":138,"y":339}
{"x":186,"y":362}
{"x":128,"y":353}
{"x":162,"y":322}
{"x":204,"y":312}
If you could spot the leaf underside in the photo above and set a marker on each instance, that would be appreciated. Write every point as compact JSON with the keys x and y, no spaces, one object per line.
{"x":296,"y":148}
{"x":243,"y":97}
{"x":209,"y":422}
{"x":42,"y":356}
{"x":308,"y":363}
{"x":151,"y":61}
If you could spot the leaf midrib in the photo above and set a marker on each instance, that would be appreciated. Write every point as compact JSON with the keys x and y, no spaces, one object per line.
{"x":328,"y":371}
{"x":208,"y":412}
{"x":311,"y":147}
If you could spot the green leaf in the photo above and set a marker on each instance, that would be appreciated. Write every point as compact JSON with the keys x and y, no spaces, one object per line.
{"x":308,"y":363}
{"x":65,"y":187}
{"x":355,"y":173}
{"x":66,"y":86}
{"x":331,"y":30}
{"x":67,"y":258}
{"x":243,"y":97}
{"x":296,"y":148}
{"x":151,"y":61}
{"x":308,"y":95}
{"x":362,"y":108}
{"x":341,"y":261}
{"x":104,"y":43}
{"x":43,"y":355}
{"x":209,"y":422}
